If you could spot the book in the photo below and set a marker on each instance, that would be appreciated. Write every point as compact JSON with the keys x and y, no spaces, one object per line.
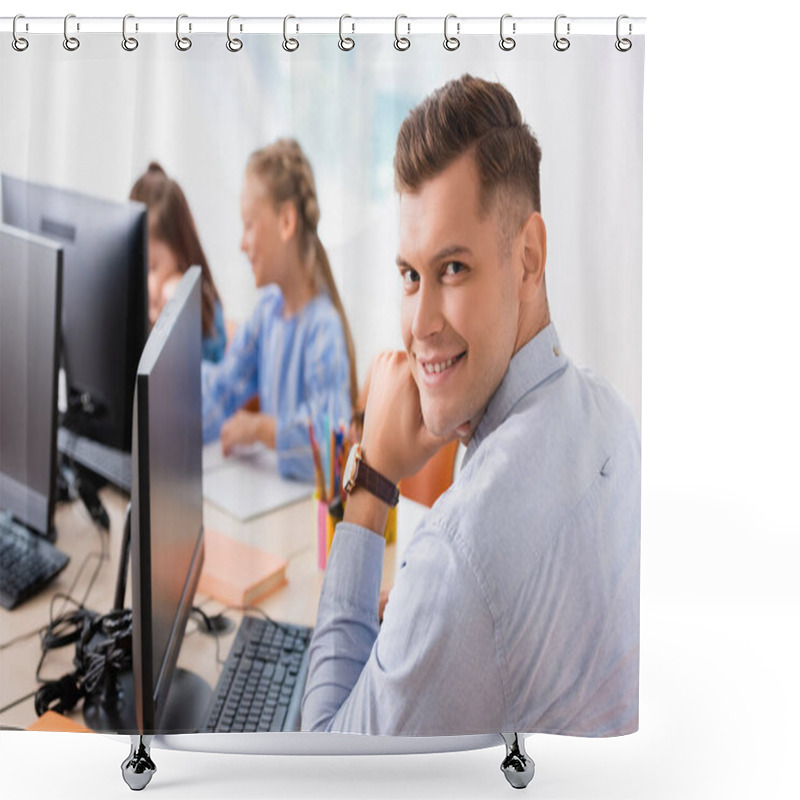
{"x":236,"y":573}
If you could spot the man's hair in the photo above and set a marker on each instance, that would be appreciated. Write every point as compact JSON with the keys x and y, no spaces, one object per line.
{"x":473,"y":115}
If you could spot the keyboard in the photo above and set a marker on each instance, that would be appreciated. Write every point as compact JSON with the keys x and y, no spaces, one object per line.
{"x":262,"y":683}
{"x":27,"y":562}
{"x":112,"y":464}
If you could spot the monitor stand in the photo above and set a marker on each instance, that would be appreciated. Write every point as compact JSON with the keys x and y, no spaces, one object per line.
{"x":114,"y":709}
{"x":109,"y":463}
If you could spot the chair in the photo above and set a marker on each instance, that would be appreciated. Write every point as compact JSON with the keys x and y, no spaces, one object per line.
{"x":434,"y":478}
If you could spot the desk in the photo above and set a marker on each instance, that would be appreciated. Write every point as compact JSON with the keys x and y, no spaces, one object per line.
{"x":288,"y":532}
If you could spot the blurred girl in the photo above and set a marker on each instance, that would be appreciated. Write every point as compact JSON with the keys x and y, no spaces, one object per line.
{"x":174,"y":246}
{"x":295,"y":352}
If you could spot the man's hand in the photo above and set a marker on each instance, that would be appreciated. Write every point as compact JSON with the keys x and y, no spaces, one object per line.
{"x":395,"y":440}
{"x":247,"y":427}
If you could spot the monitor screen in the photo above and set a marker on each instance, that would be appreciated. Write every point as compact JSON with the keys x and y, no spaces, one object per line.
{"x":30,"y":307}
{"x":166,"y":498}
{"x":104,"y":315}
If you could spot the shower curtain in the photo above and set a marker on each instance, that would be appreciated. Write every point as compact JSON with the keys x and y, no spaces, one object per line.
{"x":91,"y":118}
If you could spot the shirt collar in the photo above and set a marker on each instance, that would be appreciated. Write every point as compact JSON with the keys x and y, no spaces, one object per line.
{"x":531,"y":365}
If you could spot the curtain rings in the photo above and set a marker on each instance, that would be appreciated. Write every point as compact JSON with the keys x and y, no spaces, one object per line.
{"x":19,"y":43}
{"x":507,"y":42}
{"x":451,"y":42}
{"x":345,"y":42}
{"x":129,"y":43}
{"x":71,"y":43}
{"x":401,"y":42}
{"x":623,"y":45}
{"x":561,"y":43}
{"x":233,"y":45}
{"x":183,"y":43}
{"x":289,"y":45}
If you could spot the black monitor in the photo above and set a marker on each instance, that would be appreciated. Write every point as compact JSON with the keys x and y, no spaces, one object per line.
{"x":104,"y":320}
{"x":166,"y":526}
{"x":30,"y":308}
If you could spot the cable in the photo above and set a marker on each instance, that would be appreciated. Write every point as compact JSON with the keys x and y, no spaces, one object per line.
{"x":208,"y":624}
{"x":17,"y":702}
{"x":21,"y":638}
{"x":103,"y":649}
{"x":67,"y":628}
{"x":66,"y":596}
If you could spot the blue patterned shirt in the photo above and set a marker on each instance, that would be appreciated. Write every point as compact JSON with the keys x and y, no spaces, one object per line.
{"x":298,"y":367}
{"x":516,"y":605}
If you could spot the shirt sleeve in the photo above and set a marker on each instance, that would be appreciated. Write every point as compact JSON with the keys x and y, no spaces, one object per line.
{"x":424,"y":671}
{"x":326,"y":392}
{"x":227,"y":385}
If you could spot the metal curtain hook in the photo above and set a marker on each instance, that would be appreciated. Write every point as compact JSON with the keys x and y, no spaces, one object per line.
{"x":18,"y":42}
{"x":345,"y":42}
{"x":451,"y":42}
{"x":561,"y":43}
{"x":234,"y":45}
{"x":401,"y":42}
{"x":623,"y":45}
{"x":71,"y":43}
{"x":507,"y":42}
{"x":128,"y":42}
{"x":289,"y":45}
{"x":183,"y":43}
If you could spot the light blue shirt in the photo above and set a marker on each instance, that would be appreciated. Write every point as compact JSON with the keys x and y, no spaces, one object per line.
{"x":516,"y":606}
{"x":299,"y":368}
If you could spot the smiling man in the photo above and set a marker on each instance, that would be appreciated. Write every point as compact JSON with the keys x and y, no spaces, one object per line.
{"x":516,"y":607}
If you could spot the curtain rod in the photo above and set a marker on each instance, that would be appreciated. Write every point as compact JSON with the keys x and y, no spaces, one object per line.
{"x":347,"y":25}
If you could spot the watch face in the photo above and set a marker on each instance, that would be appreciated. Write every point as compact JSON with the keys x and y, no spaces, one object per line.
{"x":350,"y":469}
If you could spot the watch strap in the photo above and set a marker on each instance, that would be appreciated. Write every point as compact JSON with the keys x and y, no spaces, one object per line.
{"x":370,"y":479}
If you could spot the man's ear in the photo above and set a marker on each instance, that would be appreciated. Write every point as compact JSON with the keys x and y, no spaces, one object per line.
{"x":534,"y":251}
{"x":287,"y":219}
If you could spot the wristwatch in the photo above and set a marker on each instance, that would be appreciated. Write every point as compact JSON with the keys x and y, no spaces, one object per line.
{"x":358,"y":473}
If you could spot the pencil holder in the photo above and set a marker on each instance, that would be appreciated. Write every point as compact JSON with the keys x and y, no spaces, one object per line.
{"x":324,"y":526}
{"x":390,"y":531}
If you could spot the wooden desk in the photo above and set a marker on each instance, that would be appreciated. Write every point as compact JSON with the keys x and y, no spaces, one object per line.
{"x":288,"y":532}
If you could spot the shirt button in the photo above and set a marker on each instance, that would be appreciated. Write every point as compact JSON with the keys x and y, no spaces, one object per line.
{"x":556,"y":352}
{"x":605,"y":470}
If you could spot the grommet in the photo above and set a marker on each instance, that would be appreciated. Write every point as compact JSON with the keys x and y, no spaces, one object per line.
{"x":451,"y":42}
{"x":561,"y":43}
{"x":289,"y":44}
{"x":71,"y":43}
{"x":345,"y":42}
{"x":19,"y":43}
{"x":183,"y":43}
{"x":129,"y":43}
{"x":507,"y":42}
{"x":234,"y":45}
{"x":401,"y":43}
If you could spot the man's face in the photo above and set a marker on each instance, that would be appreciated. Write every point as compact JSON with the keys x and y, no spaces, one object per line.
{"x":461,"y":299}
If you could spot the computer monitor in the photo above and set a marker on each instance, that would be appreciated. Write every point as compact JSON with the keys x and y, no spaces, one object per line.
{"x":30,"y":308}
{"x":104,"y":320}
{"x":166,"y":526}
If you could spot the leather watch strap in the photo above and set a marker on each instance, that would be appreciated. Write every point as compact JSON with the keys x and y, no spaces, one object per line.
{"x":375,"y":483}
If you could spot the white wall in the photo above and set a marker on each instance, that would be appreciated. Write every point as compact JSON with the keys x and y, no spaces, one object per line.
{"x":202,"y":112}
